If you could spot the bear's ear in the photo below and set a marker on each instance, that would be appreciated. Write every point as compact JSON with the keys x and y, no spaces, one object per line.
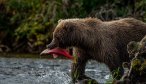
{"x":60,"y":20}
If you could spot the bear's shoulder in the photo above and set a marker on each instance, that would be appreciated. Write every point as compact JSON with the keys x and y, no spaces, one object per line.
{"x":80,"y":20}
{"x":88,"y":22}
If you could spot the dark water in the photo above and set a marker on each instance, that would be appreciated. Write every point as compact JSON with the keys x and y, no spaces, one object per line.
{"x":44,"y":71}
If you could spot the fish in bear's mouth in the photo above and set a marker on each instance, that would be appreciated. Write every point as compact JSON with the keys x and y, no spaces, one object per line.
{"x":57,"y":52}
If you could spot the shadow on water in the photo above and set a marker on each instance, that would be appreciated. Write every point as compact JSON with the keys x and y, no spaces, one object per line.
{"x":44,"y":71}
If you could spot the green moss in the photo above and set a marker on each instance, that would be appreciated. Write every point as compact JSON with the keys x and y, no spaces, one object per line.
{"x":142,"y":69}
{"x":135,"y":62}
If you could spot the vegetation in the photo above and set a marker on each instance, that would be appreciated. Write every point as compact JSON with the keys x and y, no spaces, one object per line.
{"x":27,"y":25}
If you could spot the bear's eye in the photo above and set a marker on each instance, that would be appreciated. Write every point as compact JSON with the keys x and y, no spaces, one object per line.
{"x":57,"y":38}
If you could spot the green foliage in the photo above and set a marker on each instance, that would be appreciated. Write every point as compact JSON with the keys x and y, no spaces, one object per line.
{"x":28,"y":24}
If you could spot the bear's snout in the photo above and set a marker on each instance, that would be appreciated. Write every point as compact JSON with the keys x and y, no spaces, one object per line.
{"x":53,"y":44}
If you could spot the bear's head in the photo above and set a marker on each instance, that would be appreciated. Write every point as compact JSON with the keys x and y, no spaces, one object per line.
{"x":64,"y":35}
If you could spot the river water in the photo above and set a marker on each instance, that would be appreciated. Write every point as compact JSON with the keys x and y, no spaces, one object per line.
{"x":44,"y":71}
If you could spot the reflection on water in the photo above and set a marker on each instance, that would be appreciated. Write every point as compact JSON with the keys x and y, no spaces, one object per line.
{"x":44,"y":71}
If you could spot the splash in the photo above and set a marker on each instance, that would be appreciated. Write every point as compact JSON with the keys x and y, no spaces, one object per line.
{"x":55,"y":77}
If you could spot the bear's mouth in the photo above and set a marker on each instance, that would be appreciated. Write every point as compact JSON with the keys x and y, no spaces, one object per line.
{"x":55,"y":52}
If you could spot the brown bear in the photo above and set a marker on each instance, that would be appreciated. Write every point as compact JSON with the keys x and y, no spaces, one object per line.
{"x":93,"y":39}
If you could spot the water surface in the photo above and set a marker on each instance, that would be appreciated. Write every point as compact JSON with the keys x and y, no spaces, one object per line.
{"x":44,"y":71}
